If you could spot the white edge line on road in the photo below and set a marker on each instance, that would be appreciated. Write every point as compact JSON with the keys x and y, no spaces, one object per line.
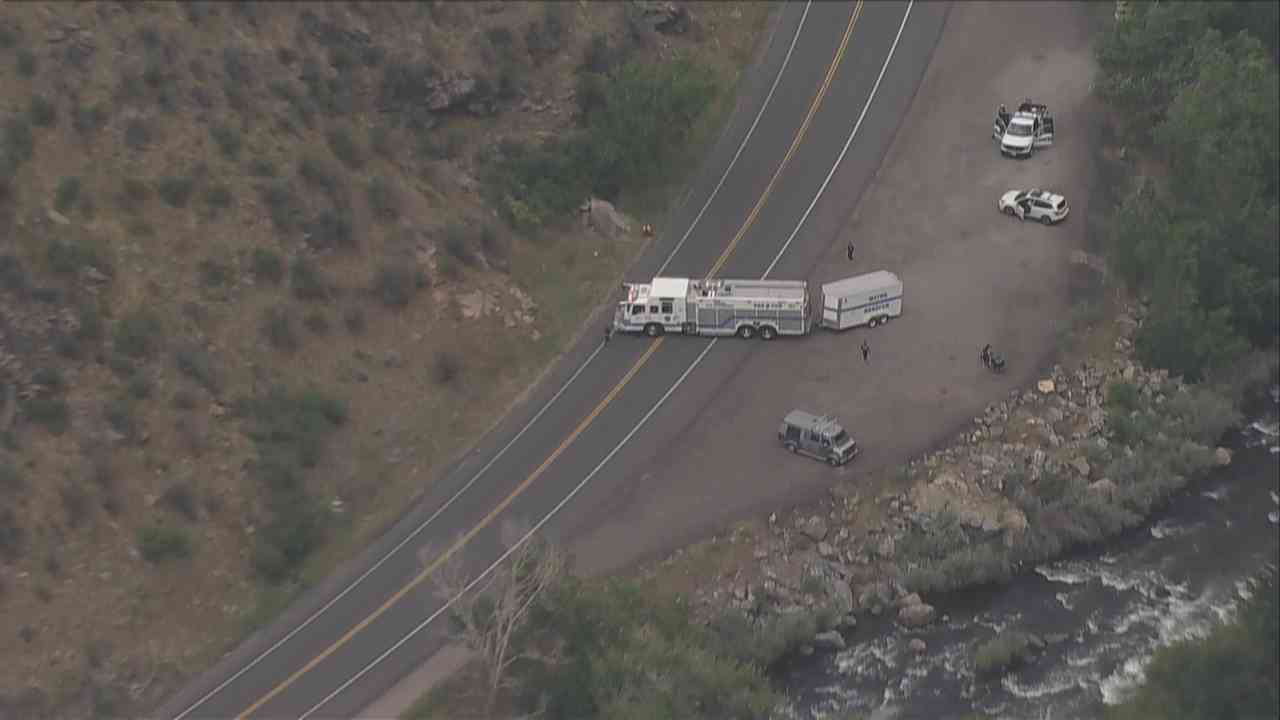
{"x":516,"y":545}
{"x":750,"y":131}
{"x":786,"y":60}
{"x":627,"y":438}
{"x":847,"y":143}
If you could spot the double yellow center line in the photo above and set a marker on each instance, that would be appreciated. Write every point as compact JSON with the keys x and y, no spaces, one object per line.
{"x":524,"y":485}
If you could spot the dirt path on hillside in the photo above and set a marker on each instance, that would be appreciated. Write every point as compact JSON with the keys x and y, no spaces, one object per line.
{"x":972,"y":276}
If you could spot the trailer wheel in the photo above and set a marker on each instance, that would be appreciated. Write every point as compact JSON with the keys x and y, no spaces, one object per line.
{"x":746,"y":332}
{"x":767,"y":332}
{"x":791,"y":447}
{"x":873,"y":322}
{"x":832,"y":461}
{"x":653,"y":329}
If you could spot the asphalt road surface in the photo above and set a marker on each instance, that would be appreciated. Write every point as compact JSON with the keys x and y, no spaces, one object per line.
{"x":350,"y":639}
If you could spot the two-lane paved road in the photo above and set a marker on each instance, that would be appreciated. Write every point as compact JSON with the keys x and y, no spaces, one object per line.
{"x":346,"y":642}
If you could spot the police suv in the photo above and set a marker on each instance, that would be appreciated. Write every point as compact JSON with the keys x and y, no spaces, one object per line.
{"x":1022,"y":132}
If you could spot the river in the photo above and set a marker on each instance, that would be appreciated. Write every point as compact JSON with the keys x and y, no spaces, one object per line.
{"x":1102,"y":613}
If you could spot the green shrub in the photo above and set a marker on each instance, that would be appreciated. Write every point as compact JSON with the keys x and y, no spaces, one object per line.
{"x":139,"y":386}
{"x":319,"y":174}
{"x":42,"y":111}
{"x":277,"y":328}
{"x":213,"y":273}
{"x":446,"y":368}
{"x":353,"y":319}
{"x":345,"y":148}
{"x":306,"y":281}
{"x":395,"y":284}
{"x":10,"y":479}
{"x":121,"y":414}
{"x":198,"y":364}
{"x":13,"y":276}
{"x":285,"y":207}
{"x":9,"y":36}
{"x":69,"y":256}
{"x":175,"y":190}
{"x":384,"y":200}
{"x":180,"y":498}
{"x":19,"y":143}
{"x":158,"y":543}
{"x":317,"y":322}
{"x":1004,"y":652}
{"x":12,"y":534}
{"x":138,"y":334}
{"x":27,"y":64}
{"x":543,"y":38}
{"x":50,"y":378}
{"x":458,"y":244}
{"x":228,"y":140}
{"x":235,"y":62}
{"x":67,"y":193}
{"x":1124,"y":396}
{"x":332,"y":228}
{"x":75,"y":501}
{"x":133,"y":195}
{"x":87,"y":120}
{"x":137,"y":134}
{"x":50,"y":412}
{"x":267,"y":265}
{"x":218,"y":197}
{"x":262,"y":167}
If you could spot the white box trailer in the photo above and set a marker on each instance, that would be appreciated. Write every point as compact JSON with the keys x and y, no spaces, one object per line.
{"x":717,"y":308}
{"x":870,"y":299}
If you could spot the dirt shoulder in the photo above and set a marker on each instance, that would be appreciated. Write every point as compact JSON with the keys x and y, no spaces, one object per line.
{"x":972,"y":276}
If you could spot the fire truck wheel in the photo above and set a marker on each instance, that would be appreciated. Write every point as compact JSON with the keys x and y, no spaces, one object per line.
{"x":791,"y":447}
{"x":767,"y":332}
{"x":653,"y":329}
{"x":746,"y":332}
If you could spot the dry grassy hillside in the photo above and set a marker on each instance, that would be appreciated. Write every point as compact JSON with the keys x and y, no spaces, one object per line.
{"x":259,"y":282}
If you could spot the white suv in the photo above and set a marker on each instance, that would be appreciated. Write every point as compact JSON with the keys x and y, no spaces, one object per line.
{"x":1041,"y":205}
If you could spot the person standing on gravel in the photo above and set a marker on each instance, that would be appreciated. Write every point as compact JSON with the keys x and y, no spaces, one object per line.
{"x":866,"y":352}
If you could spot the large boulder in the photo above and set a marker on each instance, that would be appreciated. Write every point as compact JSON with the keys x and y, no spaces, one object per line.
{"x":662,"y":16}
{"x":601,"y":216}
{"x":814,"y":528}
{"x":917,"y":615}
{"x":829,"y":640}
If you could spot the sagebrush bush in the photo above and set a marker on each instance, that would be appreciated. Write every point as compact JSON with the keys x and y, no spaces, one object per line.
{"x":446,"y":368}
{"x":306,"y":281}
{"x":198,"y":364}
{"x":1001,"y":653}
{"x":267,"y":265}
{"x":277,"y":328}
{"x":394,"y":284}
{"x":42,"y":111}
{"x":175,"y":190}
{"x":138,"y":333}
{"x":158,"y":543}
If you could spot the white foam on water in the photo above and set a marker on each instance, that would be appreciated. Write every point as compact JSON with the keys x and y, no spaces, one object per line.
{"x":1275,"y":449}
{"x":1217,"y":494}
{"x":1244,"y":589}
{"x":1059,"y":574}
{"x":1117,"y":686}
{"x":1108,"y":559}
{"x":1273,"y":517}
{"x":1055,"y":684}
{"x":1064,"y":599}
{"x":1275,"y":497}
{"x":1268,"y":429}
{"x":868,"y":659}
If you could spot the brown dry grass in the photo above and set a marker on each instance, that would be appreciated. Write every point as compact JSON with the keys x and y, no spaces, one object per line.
{"x":73,"y":604}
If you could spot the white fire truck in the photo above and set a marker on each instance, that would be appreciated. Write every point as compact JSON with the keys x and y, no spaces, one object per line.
{"x":745,"y":308}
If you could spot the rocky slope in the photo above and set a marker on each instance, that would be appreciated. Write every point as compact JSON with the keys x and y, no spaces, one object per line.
{"x":237,"y":238}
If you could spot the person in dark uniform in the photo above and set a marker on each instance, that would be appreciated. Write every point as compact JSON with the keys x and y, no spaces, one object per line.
{"x":849,"y":250}
{"x":866,"y":352}
{"x":608,"y":333}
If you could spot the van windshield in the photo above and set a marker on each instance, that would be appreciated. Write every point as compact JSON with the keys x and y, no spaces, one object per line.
{"x":840,"y":438}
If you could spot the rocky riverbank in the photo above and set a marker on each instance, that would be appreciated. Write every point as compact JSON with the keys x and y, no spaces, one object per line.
{"x":1048,"y":468}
